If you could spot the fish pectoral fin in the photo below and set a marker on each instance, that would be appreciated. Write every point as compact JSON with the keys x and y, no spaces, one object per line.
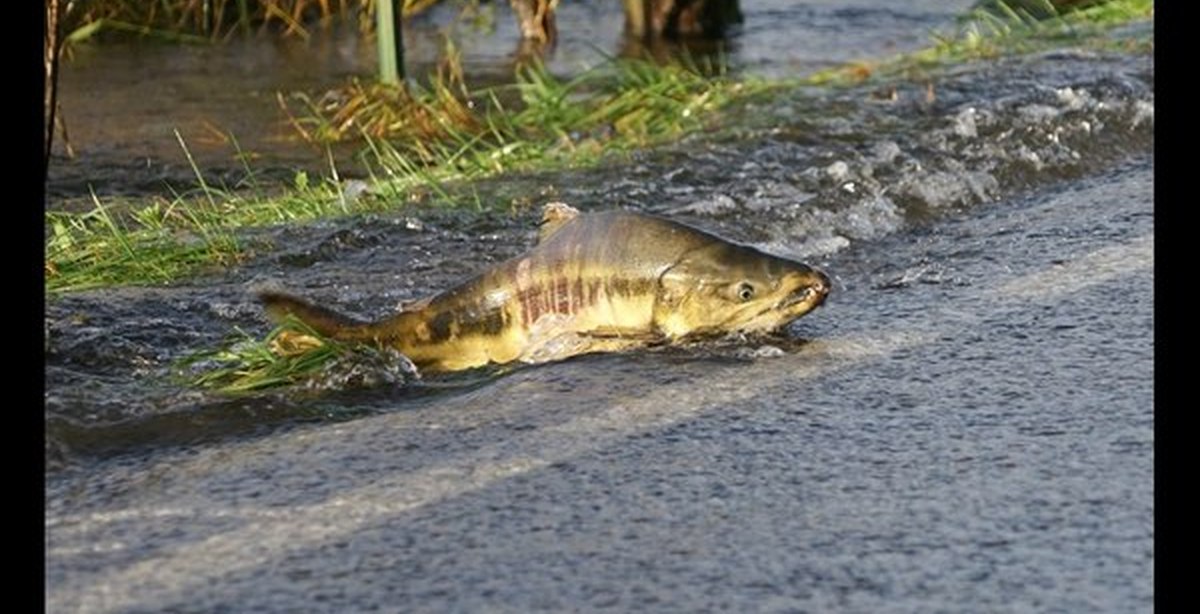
{"x":569,"y":344}
{"x":633,"y":335}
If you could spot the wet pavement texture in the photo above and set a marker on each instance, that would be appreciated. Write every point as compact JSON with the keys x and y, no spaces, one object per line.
{"x":969,"y":428}
{"x":966,"y":425}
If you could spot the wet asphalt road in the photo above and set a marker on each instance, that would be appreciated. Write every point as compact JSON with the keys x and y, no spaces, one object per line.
{"x":969,"y":430}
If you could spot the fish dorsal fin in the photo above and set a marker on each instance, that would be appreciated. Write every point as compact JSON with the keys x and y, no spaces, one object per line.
{"x":554,"y":215}
{"x":413,"y":305}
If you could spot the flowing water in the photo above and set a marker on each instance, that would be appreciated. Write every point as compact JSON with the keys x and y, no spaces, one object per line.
{"x":965,"y":425}
{"x":123,"y":102}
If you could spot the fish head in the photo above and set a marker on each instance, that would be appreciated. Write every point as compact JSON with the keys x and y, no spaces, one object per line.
{"x":727,"y":288}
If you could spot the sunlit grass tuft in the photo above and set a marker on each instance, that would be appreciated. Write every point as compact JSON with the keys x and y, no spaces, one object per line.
{"x":626,"y":102}
{"x":294,"y":355}
{"x":290,"y":353}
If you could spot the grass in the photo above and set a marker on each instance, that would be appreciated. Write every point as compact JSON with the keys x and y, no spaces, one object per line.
{"x":1001,"y":27}
{"x":162,"y":240}
{"x":96,"y":249}
{"x":291,"y":353}
{"x":469,"y":133}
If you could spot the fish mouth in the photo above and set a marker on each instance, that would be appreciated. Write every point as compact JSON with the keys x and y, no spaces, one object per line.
{"x":810,"y":294}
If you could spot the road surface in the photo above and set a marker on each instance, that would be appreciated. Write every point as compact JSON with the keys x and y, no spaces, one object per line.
{"x":969,"y":429}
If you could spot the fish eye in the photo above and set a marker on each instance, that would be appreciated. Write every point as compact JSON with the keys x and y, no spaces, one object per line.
{"x":745,"y":291}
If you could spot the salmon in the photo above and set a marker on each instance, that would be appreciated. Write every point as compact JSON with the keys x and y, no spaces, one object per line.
{"x":595,"y":282}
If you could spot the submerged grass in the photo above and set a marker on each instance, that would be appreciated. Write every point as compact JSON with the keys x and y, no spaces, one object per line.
{"x":290,"y":353}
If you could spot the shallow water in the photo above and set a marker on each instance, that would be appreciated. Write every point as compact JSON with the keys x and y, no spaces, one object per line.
{"x":969,"y":428}
{"x":123,"y":102}
{"x":966,"y":425}
{"x":874,"y":171}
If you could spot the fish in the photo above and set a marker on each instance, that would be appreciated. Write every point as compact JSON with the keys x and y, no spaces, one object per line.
{"x":603,"y":281}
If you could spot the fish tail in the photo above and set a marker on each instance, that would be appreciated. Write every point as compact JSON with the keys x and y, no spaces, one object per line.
{"x":327,"y":322}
